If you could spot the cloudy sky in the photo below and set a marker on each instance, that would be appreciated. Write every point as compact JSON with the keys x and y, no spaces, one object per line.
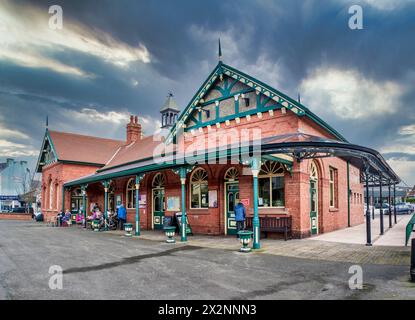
{"x":113,"y":58}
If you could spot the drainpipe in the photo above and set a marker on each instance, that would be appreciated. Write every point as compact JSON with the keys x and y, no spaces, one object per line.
{"x":348,"y":194}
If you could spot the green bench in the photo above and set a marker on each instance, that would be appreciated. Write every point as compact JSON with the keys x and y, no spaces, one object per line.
{"x":409,"y":229}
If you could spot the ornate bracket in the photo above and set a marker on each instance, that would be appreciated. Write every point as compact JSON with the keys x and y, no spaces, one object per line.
{"x":138,"y":179}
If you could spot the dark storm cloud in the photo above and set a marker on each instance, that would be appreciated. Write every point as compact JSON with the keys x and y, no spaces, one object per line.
{"x":298,"y":35}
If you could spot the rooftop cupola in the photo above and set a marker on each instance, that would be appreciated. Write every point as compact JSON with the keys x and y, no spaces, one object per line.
{"x":169,"y":112}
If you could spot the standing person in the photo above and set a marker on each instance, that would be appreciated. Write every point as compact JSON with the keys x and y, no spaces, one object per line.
{"x":240,"y":214}
{"x":122,"y":215}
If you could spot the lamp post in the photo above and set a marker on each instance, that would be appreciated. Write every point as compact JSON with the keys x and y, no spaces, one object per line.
{"x":394,"y":202}
{"x":137,"y":204}
{"x":255,"y":221}
{"x":83,"y":190}
{"x":106,"y":186}
{"x":389,"y":203}
{"x":183,"y":237}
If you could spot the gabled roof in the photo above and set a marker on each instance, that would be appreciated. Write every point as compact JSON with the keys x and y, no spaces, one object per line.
{"x":71,"y":147}
{"x":135,"y":151}
{"x":279,"y":97}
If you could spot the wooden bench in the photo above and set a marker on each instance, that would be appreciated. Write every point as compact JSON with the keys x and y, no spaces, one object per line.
{"x":273,"y":224}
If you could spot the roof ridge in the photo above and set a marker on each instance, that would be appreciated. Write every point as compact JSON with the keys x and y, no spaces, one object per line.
{"x":85,"y":135}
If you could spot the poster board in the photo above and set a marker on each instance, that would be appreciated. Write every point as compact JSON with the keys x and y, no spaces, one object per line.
{"x":142,"y":201}
{"x":213,"y":198}
{"x":173,"y":204}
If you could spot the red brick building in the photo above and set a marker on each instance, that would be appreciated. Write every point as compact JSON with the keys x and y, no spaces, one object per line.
{"x":238,"y":139}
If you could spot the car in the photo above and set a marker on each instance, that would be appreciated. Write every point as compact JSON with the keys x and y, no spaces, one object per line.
{"x":385,"y":208}
{"x":403,"y":208}
{"x":21,"y":210}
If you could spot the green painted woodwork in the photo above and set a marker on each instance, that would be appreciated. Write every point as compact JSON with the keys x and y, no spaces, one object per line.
{"x":138,"y":179}
{"x":106,"y":185}
{"x":409,"y":229}
{"x":47,"y":141}
{"x":232,"y":198}
{"x":255,"y":167}
{"x":313,"y":207}
{"x":262,"y":88}
{"x":83,"y":189}
{"x":158,"y":208}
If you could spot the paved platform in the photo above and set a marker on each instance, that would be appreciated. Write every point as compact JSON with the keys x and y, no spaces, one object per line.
{"x":104,"y":265}
{"x":305,"y":248}
{"x":394,"y":236}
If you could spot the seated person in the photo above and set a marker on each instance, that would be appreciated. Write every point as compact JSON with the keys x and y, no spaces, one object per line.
{"x":79,"y":218}
{"x":67,"y":217}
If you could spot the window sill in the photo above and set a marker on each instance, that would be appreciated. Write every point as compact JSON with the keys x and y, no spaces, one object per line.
{"x":333,"y":209}
{"x":196,"y":212}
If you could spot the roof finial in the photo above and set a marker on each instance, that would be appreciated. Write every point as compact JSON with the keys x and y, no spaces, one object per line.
{"x":220,"y":52}
{"x":299,"y":98}
{"x":170,"y":94}
{"x":47,"y":122}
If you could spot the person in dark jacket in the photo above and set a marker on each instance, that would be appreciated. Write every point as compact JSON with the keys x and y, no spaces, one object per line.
{"x":122,"y":215}
{"x":240,"y":214}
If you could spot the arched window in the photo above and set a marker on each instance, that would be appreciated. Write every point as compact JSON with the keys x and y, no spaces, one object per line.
{"x":313,"y":171}
{"x":271,"y":185}
{"x":50,"y":194}
{"x":232,"y":174}
{"x":57,"y":196}
{"x":159,"y":181}
{"x":199,"y":189}
{"x":130,"y":194}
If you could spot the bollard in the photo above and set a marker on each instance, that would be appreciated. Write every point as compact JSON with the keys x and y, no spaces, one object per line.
{"x":412,"y":271}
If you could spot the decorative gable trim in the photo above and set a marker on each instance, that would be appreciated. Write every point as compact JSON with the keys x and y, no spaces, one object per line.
{"x":281,"y":100}
{"x":45,"y":159}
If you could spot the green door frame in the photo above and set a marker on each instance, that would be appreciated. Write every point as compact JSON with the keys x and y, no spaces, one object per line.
{"x":313,"y":214}
{"x":228,"y":183}
{"x":153,"y":208}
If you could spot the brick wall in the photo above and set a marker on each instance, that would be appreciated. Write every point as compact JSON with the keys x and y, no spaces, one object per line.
{"x":10,"y":216}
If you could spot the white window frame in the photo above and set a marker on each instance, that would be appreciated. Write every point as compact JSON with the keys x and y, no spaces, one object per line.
{"x":130,"y":188}
{"x":51,"y":195}
{"x":269,"y":176}
{"x":200,"y":182}
{"x":332,"y":187}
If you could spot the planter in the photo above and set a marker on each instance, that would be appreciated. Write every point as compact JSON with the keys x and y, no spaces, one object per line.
{"x":128,"y":228}
{"x":95,"y":224}
{"x":245,"y":238}
{"x":170,"y":231}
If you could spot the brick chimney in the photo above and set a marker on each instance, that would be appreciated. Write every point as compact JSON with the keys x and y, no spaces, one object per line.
{"x":133,"y":130}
